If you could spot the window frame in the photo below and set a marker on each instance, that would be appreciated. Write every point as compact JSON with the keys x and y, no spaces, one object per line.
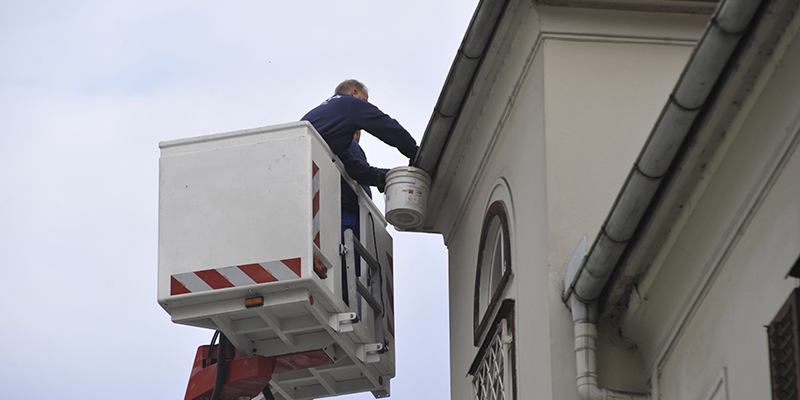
{"x":506,"y":312}
{"x":496,"y":209}
{"x":783,"y":337}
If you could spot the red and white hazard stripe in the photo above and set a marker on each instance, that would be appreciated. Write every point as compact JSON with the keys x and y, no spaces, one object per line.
{"x":315,"y":203}
{"x":235,"y":276}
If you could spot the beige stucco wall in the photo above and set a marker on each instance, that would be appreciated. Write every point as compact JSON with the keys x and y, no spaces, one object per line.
{"x":602,"y":100}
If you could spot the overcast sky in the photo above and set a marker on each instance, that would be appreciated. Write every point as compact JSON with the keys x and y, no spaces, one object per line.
{"x":87,"y":91}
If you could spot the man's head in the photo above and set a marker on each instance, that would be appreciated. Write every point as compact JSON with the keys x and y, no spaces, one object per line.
{"x":357,"y":136}
{"x":352,"y":87}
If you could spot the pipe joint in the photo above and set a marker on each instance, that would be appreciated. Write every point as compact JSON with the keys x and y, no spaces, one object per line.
{"x":586,"y":363}
{"x":674,"y":100}
{"x":726,"y":31}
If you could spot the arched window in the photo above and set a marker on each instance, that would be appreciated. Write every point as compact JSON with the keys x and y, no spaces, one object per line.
{"x":494,"y":266}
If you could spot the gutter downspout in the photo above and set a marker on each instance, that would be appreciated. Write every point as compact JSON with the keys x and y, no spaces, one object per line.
{"x":584,"y":316}
{"x":585,"y":356}
{"x":587,"y":275}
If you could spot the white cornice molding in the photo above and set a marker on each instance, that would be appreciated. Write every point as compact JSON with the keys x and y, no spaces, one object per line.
{"x":676,"y":6}
{"x":578,"y":37}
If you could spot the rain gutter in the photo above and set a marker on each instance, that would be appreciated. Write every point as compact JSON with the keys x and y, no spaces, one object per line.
{"x":727,"y":26}
{"x":458,"y":82}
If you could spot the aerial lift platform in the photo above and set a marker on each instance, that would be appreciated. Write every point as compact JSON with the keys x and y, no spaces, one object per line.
{"x":250,"y":246}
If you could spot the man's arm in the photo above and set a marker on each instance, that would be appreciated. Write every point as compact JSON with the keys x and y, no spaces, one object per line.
{"x":361,"y":171}
{"x":384,"y":127}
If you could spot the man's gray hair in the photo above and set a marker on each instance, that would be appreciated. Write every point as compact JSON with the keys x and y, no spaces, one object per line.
{"x":348,"y":85}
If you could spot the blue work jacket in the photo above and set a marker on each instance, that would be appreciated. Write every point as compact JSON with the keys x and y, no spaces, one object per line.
{"x":338,"y":118}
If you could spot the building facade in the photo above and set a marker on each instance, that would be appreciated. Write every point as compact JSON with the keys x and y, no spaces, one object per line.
{"x":664,"y":131}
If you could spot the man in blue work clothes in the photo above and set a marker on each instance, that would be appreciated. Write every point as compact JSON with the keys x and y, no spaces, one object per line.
{"x":338,"y":119}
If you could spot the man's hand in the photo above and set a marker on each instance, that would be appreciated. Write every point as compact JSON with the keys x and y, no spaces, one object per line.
{"x":381,"y":181}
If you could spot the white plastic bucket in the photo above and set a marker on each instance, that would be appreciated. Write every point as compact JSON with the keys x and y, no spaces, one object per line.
{"x":406,"y":195}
